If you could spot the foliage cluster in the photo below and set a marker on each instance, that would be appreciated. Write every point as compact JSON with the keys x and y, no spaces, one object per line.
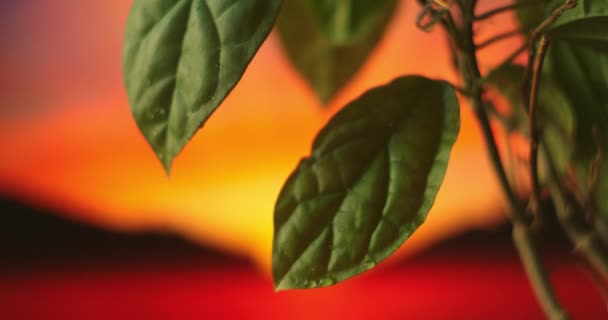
{"x":376,"y":166}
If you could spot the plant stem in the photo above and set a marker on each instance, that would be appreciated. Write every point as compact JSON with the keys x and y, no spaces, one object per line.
{"x":537,"y":274}
{"x":581,"y":237}
{"x":558,"y":12}
{"x":535,"y":133}
{"x":533,"y":264}
{"x":536,"y":34}
{"x":498,"y":37}
{"x":469,"y":71}
{"x":506,"y":8}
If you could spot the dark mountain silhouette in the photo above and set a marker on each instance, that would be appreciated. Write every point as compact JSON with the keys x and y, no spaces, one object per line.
{"x":29,"y":236}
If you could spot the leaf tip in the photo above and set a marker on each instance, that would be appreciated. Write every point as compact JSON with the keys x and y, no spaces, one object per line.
{"x":325,"y":94}
{"x":166,"y":163}
{"x":324,"y":99}
{"x":281,"y":286}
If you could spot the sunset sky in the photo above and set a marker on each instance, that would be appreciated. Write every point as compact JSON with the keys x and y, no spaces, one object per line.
{"x":73,"y":146}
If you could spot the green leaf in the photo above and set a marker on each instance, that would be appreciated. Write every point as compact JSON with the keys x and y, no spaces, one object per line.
{"x":344,"y":21}
{"x":585,"y":24}
{"x":181,"y":59}
{"x":328,"y":41}
{"x":582,"y":75}
{"x":589,"y":32}
{"x":554,"y":113}
{"x":584,"y":9}
{"x":373,"y":175}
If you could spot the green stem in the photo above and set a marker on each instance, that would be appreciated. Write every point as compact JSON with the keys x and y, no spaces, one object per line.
{"x":535,"y":36}
{"x":550,"y":20}
{"x":535,"y":134}
{"x":583,"y":239}
{"x":528,"y":252}
{"x":580,"y":234}
{"x":469,"y":70}
{"x":537,"y":274}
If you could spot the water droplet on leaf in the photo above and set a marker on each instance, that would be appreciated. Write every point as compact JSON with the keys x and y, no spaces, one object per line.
{"x":369,"y":264}
{"x":327,"y":282}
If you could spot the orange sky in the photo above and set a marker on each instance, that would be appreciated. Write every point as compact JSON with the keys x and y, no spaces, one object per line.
{"x":76,"y":149}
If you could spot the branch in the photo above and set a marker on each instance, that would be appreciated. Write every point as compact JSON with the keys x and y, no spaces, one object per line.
{"x":601,"y":284}
{"x":535,"y":35}
{"x":528,"y":252}
{"x":537,"y":274}
{"x":581,"y":237}
{"x":556,"y":14}
{"x":435,"y":10}
{"x":535,"y":133}
{"x":533,"y":264}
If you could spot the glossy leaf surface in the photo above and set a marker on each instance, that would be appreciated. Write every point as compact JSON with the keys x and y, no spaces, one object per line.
{"x":181,"y":59}
{"x":369,"y":183}
{"x":586,"y":24}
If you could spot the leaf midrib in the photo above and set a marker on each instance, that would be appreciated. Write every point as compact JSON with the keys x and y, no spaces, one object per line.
{"x":383,"y":146}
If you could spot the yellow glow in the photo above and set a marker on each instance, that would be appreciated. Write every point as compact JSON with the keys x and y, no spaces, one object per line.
{"x":87,"y":158}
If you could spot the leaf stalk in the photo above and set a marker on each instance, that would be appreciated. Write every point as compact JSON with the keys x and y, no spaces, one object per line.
{"x":469,"y":70}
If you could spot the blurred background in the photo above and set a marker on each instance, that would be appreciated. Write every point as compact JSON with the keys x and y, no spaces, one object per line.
{"x":91,"y":228}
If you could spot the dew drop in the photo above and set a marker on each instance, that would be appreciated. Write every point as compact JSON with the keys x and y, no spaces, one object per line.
{"x":369,"y":264}
{"x":325,"y":282}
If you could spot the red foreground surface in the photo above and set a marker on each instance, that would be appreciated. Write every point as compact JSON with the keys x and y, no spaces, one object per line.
{"x":445,"y":283}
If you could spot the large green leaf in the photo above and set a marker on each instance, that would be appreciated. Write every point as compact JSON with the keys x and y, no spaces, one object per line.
{"x":588,"y":32}
{"x":584,"y":9}
{"x":181,"y":59}
{"x":585,"y":24}
{"x":328,"y":41}
{"x":582,"y":75}
{"x":373,"y":175}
